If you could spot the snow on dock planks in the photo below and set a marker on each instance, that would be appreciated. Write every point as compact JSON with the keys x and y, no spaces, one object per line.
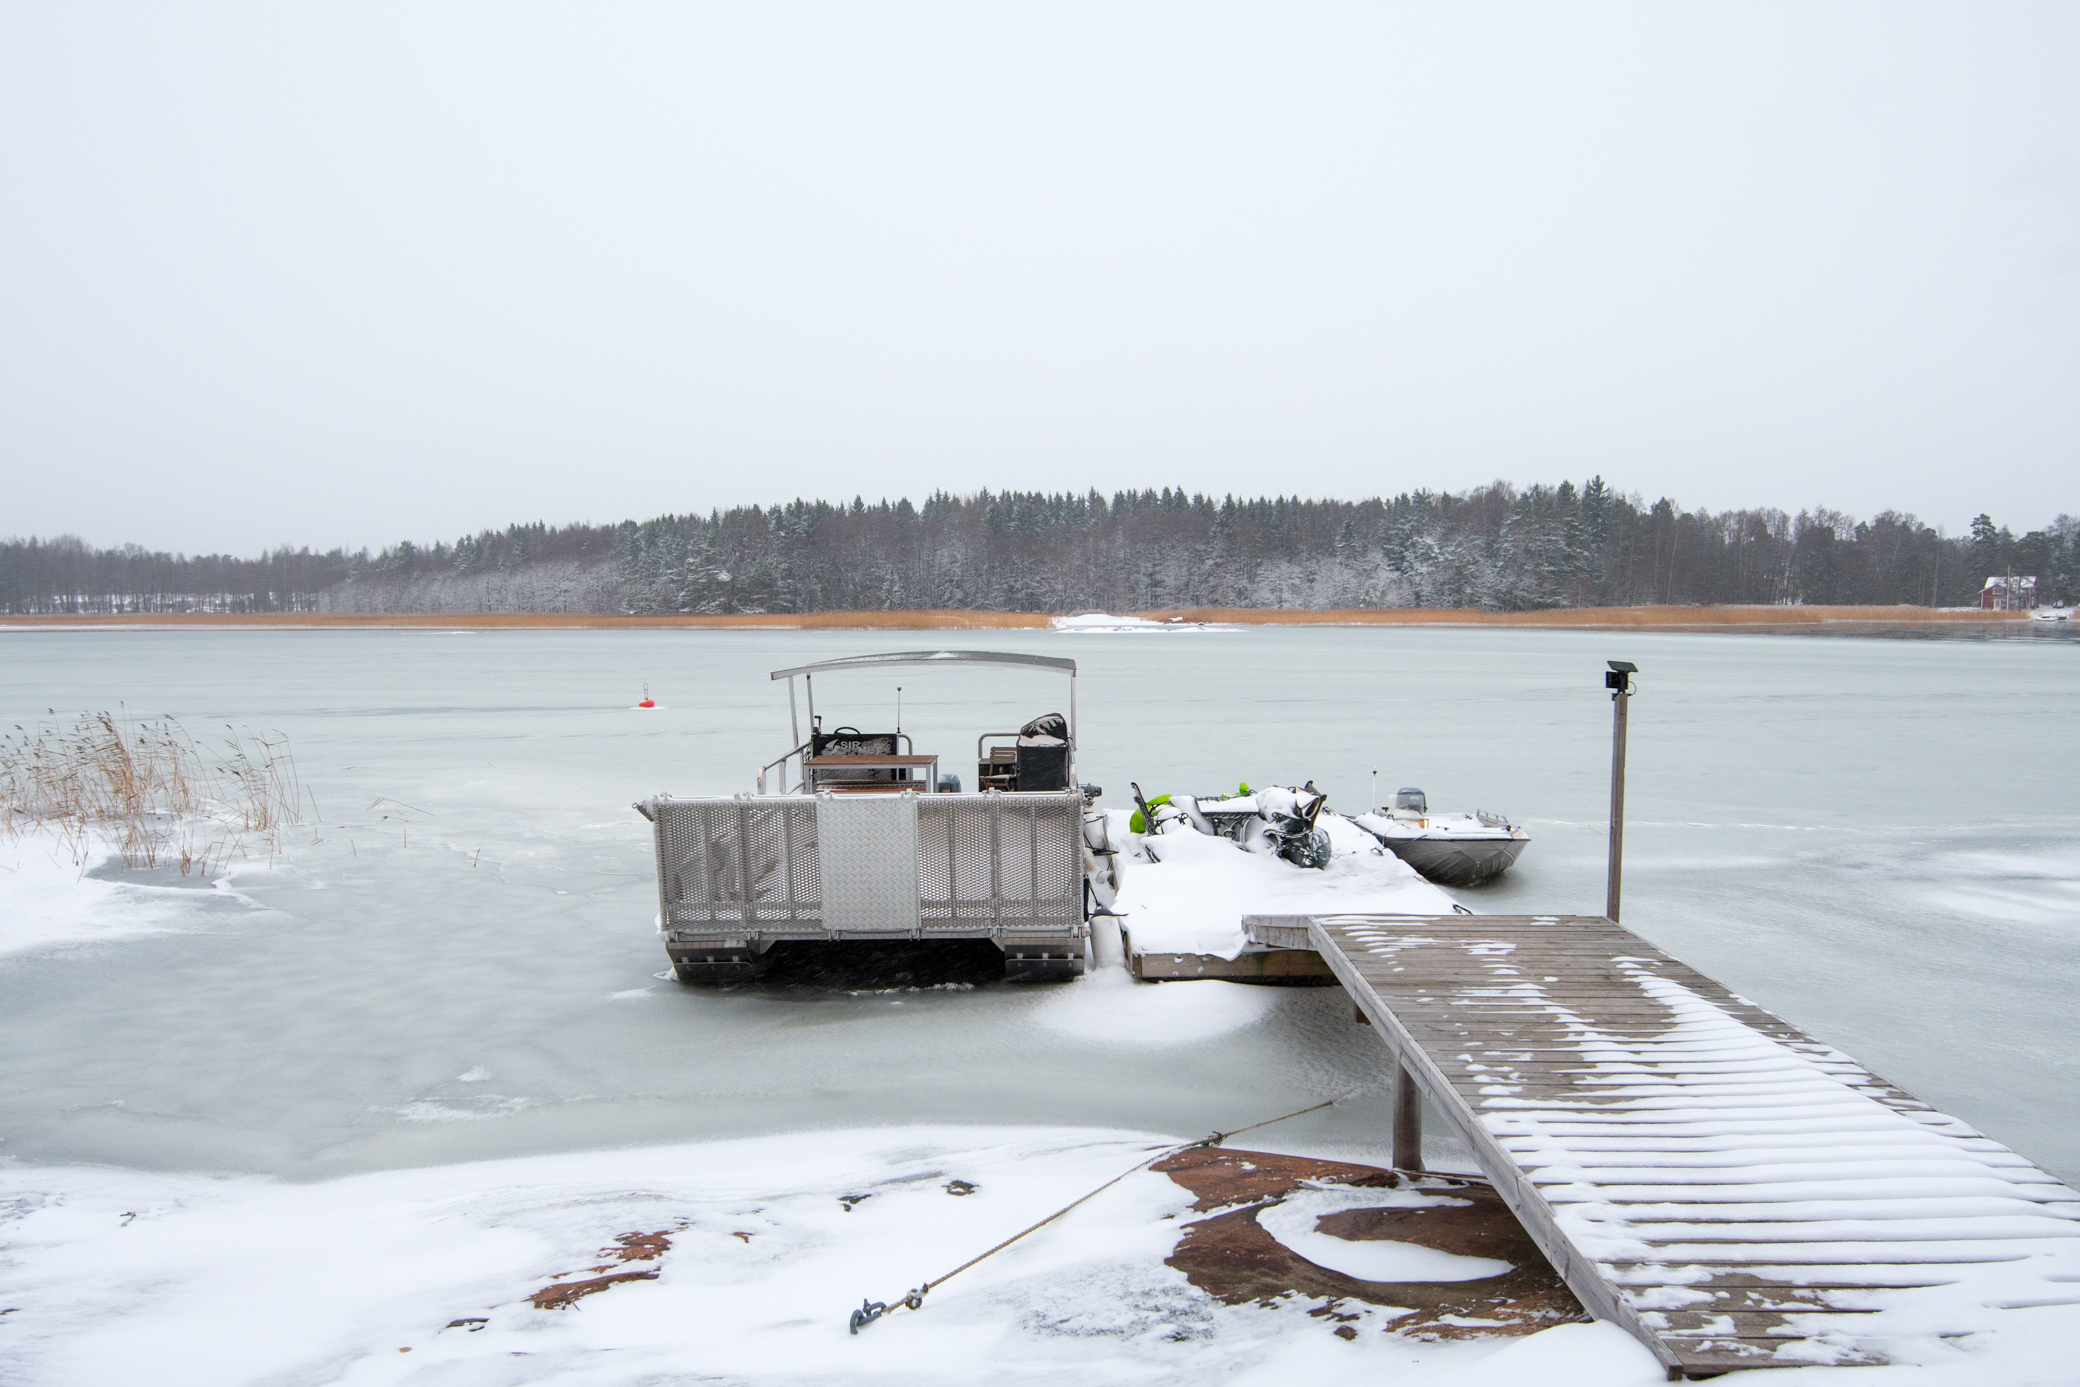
{"x":1730,"y":1190}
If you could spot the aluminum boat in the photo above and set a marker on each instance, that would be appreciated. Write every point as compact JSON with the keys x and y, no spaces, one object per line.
{"x":1449,"y":849}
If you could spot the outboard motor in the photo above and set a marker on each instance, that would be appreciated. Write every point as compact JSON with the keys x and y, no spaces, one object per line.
{"x":1410,"y":802}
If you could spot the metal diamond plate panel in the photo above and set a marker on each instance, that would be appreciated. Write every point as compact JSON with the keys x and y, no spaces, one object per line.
{"x":867,"y":861}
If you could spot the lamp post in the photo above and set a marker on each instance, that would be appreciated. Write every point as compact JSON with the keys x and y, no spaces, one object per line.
{"x":1619,"y":682}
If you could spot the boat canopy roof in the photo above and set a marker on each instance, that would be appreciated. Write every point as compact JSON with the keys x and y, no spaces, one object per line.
{"x":936,"y":657}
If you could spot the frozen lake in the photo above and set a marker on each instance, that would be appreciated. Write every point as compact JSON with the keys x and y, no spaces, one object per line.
{"x":1878,"y":839}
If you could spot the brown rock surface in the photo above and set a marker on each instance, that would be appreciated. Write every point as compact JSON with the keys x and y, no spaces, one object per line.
{"x":1233,"y":1259}
{"x":628,"y":1247}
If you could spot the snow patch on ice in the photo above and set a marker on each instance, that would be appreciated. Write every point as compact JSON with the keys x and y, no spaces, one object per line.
{"x":47,"y":899}
{"x":2030,"y":888}
{"x":1105,"y":624}
{"x":1109,"y":1005}
{"x":477,"y":1109}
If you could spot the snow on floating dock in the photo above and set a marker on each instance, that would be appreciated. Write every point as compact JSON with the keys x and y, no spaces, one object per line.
{"x":1192,"y":899}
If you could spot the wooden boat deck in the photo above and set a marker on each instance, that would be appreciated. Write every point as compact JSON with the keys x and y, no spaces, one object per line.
{"x":1734,"y":1192}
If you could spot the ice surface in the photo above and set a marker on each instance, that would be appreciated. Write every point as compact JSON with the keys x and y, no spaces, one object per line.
{"x":1798,"y":832}
{"x":433,"y":980}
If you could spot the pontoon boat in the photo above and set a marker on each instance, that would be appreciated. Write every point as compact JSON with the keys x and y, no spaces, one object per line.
{"x":865,"y":837}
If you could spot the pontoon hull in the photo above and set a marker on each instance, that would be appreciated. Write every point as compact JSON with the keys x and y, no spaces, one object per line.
{"x":737,"y":875}
{"x":1458,"y":861}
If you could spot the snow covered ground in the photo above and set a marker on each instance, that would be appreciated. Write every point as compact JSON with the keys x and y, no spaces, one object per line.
{"x":736,"y":1262}
{"x":434,"y":1276}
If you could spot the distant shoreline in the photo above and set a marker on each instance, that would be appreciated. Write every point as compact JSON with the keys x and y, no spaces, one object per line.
{"x":1758,"y":619}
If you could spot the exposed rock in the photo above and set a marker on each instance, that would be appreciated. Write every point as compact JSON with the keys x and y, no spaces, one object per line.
{"x":561,"y":1295}
{"x":628,"y":1247}
{"x":1233,"y":1259}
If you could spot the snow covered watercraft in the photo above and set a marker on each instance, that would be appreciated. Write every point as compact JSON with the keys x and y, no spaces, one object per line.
{"x":1449,"y":849}
{"x":1277,"y":819}
{"x":1186,"y":870}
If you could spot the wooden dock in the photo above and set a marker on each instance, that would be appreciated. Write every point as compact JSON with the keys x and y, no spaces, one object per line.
{"x":1734,"y":1192}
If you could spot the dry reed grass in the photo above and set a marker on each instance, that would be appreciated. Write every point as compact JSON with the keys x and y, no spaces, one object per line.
{"x":946,"y":620}
{"x":1595,"y":618}
{"x":149,"y":790}
{"x":1610,"y":618}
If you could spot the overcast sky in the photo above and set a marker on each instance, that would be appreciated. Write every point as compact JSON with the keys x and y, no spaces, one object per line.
{"x":349,"y":273}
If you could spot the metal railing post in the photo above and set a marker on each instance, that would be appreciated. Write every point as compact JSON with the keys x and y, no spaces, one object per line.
{"x":744,"y":855}
{"x":996,"y":862}
{"x":1619,"y":682}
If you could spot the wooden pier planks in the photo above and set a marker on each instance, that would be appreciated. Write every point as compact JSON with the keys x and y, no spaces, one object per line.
{"x":1733,"y":1191}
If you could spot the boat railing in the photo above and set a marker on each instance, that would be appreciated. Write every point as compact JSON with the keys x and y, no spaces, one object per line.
{"x":796,"y":754}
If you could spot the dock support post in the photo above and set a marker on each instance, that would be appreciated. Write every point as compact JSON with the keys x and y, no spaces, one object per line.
{"x":1408,"y":1120}
{"x":1619,"y":682}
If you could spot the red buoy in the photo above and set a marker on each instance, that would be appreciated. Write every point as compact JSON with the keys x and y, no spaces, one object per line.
{"x":648,"y":701}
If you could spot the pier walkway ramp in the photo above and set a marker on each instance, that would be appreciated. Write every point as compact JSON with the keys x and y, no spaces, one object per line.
{"x":1734,"y":1192}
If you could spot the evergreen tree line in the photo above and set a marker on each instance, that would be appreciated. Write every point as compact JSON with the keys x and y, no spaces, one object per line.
{"x":1496,"y":548}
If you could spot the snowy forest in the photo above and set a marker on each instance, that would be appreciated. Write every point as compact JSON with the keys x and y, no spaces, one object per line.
{"x":1497,"y":548}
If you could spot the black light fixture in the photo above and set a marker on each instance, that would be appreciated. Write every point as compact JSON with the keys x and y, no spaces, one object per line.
{"x":1620,"y":677}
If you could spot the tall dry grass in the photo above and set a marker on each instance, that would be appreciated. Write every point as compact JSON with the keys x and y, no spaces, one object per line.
{"x":149,"y":790}
{"x":1598,"y":618}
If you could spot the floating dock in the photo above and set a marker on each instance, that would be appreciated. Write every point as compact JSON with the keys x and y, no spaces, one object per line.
{"x":1732,"y":1191}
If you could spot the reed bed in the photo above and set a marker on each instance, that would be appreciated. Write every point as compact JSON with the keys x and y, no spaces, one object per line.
{"x":1666,"y":618}
{"x":1594,"y":618}
{"x":149,"y":790}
